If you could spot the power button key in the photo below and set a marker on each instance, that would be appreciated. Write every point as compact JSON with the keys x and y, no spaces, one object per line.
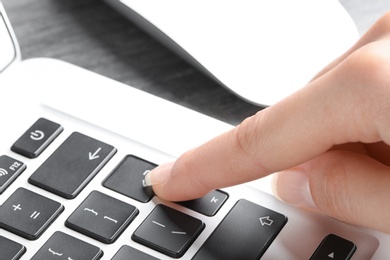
{"x":35,"y":140}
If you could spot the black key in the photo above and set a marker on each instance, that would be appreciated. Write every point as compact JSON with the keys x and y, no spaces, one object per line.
{"x":208,"y":204}
{"x":245,"y":233}
{"x":334,"y":247}
{"x":28,"y":214}
{"x":102,"y":217}
{"x":35,"y":140}
{"x":63,"y":246}
{"x":10,"y":169}
{"x":69,"y":169}
{"x":168,"y":231}
{"x":129,"y":253}
{"x":127,"y":178}
{"x":10,"y":249}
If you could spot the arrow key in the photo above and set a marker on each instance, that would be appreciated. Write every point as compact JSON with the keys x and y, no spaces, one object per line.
{"x":69,"y":169}
{"x":334,"y":247}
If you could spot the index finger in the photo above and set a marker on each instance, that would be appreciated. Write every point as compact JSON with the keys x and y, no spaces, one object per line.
{"x":279,"y":137}
{"x":332,"y":109}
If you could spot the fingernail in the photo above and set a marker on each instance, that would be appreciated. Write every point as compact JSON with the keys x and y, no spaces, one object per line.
{"x":158,"y":175}
{"x":292,"y":187}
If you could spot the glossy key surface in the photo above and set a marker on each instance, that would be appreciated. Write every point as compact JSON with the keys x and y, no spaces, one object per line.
{"x":10,"y":169}
{"x":208,"y":204}
{"x":245,"y":233}
{"x":127,"y":178}
{"x":10,"y":249}
{"x":69,"y":169}
{"x":334,"y":247}
{"x":36,"y":139}
{"x":130,"y":253}
{"x":168,"y":231}
{"x":102,"y":217}
{"x":63,"y":246}
{"x":28,"y":214}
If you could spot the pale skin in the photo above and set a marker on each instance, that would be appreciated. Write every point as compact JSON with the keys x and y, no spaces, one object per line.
{"x":329,"y":143}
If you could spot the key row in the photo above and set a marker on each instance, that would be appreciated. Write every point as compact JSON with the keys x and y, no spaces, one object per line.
{"x":78,"y":159}
{"x":239,"y":236}
{"x":166,"y":230}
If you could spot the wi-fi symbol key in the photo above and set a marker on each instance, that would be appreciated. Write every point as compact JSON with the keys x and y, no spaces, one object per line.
{"x":3,"y":172}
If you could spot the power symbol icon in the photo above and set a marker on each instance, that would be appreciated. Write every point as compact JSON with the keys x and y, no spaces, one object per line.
{"x":37,"y":135}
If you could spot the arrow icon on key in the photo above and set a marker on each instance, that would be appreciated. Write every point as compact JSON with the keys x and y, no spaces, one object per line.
{"x":94,"y":155}
{"x":266,"y":221}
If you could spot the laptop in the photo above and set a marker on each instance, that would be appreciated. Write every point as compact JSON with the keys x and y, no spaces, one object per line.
{"x":246,"y":47}
{"x":74,"y":147}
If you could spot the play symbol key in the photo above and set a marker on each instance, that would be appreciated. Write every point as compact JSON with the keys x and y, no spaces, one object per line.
{"x":334,"y":247}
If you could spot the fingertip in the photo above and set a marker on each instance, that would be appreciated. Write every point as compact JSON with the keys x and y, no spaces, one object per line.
{"x":158,"y":176}
{"x":292,"y":187}
{"x":170,"y":184}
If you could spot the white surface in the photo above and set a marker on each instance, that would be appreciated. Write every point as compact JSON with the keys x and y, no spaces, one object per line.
{"x":261,"y":50}
{"x":129,"y":120}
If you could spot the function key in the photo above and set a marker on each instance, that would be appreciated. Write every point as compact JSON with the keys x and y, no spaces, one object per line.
{"x":28,"y":214}
{"x":127,"y":178}
{"x":207,"y":205}
{"x":10,"y":249}
{"x":334,"y":247}
{"x":63,"y":246}
{"x":245,"y":233}
{"x":69,"y":169}
{"x":102,"y":217}
{"x":168,"y":231}
{"x":35,"y":140}
{"x":10,"y":169}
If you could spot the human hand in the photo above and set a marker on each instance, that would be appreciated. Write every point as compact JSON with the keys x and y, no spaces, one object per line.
{"x":329,"y":143}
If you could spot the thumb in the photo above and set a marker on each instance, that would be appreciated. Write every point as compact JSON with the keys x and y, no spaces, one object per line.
{"x":347,"y":186}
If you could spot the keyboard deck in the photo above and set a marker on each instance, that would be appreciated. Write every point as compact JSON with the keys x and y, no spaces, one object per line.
{"x":74,"y":147}
{"x":79,"y":195}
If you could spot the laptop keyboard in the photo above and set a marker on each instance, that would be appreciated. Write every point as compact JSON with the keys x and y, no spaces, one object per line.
{"x":245,"y":230}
